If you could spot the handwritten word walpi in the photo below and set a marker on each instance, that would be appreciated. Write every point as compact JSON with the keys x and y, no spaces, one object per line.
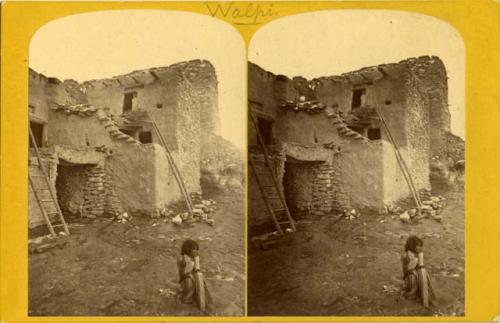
{"x":242,"y":13}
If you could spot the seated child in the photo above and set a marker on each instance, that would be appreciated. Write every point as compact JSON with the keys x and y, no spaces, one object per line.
{"x":417,"y":280}
{"x":193,"y":286}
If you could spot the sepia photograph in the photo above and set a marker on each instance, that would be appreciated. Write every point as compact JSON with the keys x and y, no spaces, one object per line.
{"x":136,"y":166}
{"x":356,"y":162}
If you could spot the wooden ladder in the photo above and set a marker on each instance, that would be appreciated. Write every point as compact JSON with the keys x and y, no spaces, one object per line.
{"x":48,"y":207}
{"x":173,"y":166}
{"x":402,"y":163}
{"x":271,"y":192}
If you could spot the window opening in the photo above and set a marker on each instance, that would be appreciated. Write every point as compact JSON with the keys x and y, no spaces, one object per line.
{"x":358,"y":98}
{"x":266,"y":130}
{"x":37,"y":130}
{"x":374,"y":134}
{"x":128,"y":101}
{"x":145,"y":137}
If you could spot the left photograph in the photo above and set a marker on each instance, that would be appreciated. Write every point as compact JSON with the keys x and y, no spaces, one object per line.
{"x":136,"y":166}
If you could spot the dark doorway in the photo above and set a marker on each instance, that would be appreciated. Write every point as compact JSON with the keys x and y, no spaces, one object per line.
{"x":266,"y":130}
{"x":298,"y":187}
{"x":145,"y":137}
{"x":37,"y":130}
{"x":70,"y":186}
{"x":356,"y":97}
{"x":374,"y":134}
{"x":128,"y":99}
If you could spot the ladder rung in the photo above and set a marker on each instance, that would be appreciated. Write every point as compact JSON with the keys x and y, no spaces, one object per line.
{"x":52,"y":201}
{"x":279,"y":210}
{"x":284,"y":222}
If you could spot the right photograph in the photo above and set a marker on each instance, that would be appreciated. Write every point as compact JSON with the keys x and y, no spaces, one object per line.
{"x":356,"y":166}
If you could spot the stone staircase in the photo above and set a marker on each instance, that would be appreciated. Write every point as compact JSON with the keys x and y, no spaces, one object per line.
{"x":113,"y":130}
{"x":342,"y":128}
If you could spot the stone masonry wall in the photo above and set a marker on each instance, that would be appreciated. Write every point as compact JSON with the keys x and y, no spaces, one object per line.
{"x":328,"y":194}
{"x":95,"y":194}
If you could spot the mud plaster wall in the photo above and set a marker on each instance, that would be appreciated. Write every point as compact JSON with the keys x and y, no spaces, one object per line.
{"x":77,"y":131}
{"x":261,"y":98}
{"x":361,"y":175}
{"x":37,"y":95}
{"x":394,"y":184}
{"x":166,"y":188}
{"x":133,"y":171}
{"x":303,"y":128}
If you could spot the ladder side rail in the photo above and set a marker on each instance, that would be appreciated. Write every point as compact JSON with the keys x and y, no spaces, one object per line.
{"x":42,"y":209}
{"x":175,"y":170}
{"x":273,"y":175}
{"x":47,"y":182}
{"x":404,"y":168}
{"x":267,"y":202}
{"x":401,"y":162}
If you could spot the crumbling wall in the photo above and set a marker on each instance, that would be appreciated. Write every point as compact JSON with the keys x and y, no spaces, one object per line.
{"x":202,"y":80}
{"x":188,"y":136}
{"x":430,"y":78}
{"x":417,"y":125}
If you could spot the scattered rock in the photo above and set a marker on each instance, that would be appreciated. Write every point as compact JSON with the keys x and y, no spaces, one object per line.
{"x":404,"y":217}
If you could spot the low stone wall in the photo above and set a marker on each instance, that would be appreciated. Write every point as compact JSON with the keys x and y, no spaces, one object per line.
{"x":95,"y":194}
{"x":328,"y":193}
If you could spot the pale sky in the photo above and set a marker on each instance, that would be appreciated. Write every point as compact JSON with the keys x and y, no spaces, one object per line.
{"x":109,"y":43}
{"x":326,"y":43}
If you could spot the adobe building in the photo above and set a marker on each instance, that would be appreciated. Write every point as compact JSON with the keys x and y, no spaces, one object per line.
{"x":327,"y":141}
{"x":100,"y":148}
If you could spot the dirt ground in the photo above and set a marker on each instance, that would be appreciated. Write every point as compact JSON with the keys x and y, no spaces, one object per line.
{"x":338,"y":267}
{"x":121,"y":269}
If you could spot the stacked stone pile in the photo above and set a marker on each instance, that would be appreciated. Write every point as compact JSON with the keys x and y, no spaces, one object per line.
{"x":203,"y":211}
{"x":431,"y":208}
{"x":112,"y":204}
{"x":311,"y":107}
{"x":83,"y":110}
{"x":328,"y":194}
{"x":94,"y":193}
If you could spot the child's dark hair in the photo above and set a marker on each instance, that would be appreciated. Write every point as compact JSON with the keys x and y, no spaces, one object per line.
{"x":188,"y":246}
{"x":412,"y":242}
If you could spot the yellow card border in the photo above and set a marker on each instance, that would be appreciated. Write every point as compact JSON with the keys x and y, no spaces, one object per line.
{"x":478,"y":22}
